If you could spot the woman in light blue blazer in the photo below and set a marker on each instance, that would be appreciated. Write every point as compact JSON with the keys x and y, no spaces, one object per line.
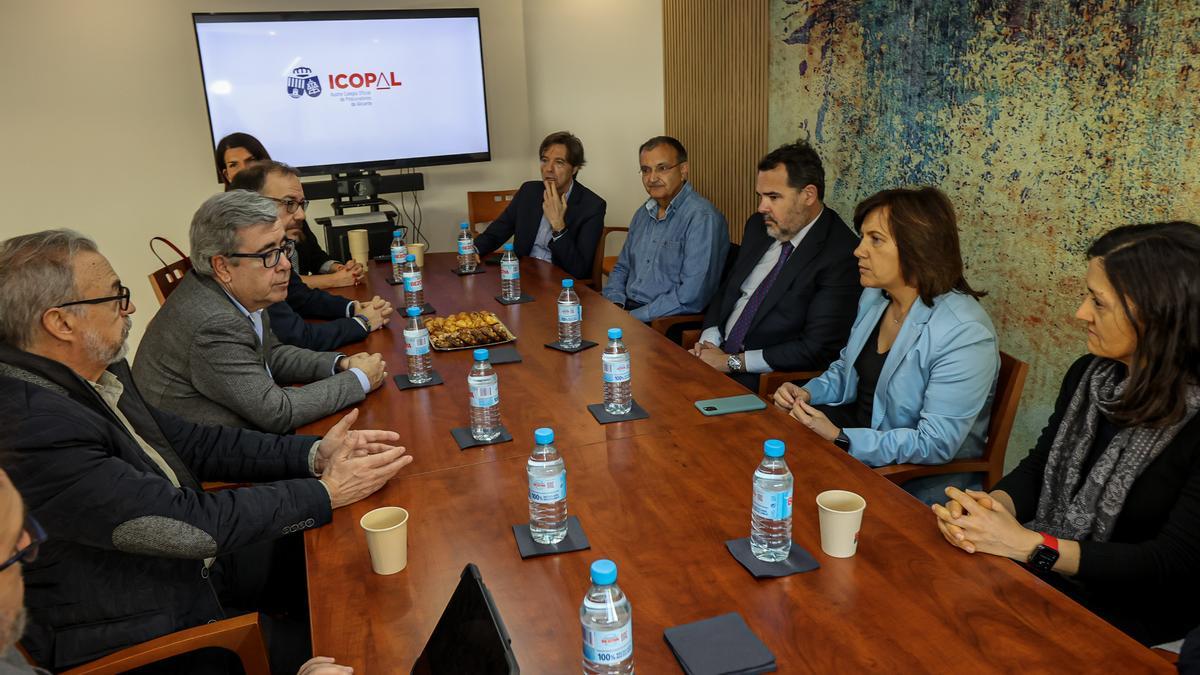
{"x":916,"y":380}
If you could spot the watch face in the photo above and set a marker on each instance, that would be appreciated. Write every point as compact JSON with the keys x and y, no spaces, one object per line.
{"x":1043,"y":558}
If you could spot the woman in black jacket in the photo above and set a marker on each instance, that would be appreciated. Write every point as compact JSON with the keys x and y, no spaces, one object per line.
{"x":1107,"y":506}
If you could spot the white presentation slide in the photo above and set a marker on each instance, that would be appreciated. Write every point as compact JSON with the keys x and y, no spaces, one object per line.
{"x":338,"y":92}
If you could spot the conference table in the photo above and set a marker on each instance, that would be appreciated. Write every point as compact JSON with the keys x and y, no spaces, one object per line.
{"x":660,"y":497}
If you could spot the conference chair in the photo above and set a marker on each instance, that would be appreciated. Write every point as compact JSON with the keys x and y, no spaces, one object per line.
{"x":484,"y":207}
{"x":602,"y":266}
{"x":165,"y":279}
{"x":241,"y":635}
{"x":1009,"y":385}
{"x":767,"y":382}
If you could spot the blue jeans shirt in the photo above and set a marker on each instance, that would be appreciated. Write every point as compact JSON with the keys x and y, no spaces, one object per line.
{"x":672,"y":265}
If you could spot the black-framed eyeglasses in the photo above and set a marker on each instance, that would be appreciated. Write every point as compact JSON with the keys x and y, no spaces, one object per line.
{"x":290,"y":205}
{"x":661,"y":168}
{"x":29,"y":553}
{"x":122,"y":297}
{"x":270,"y":258}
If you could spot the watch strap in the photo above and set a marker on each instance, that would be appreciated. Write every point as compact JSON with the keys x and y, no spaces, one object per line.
{"x":1049,"y":540}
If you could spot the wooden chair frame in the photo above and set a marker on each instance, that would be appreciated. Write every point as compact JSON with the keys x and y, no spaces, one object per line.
{"x":600,"y":265}
{"x":484,"y":207}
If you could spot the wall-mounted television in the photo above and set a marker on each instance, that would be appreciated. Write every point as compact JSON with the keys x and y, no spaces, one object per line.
{"x":331,"y":92}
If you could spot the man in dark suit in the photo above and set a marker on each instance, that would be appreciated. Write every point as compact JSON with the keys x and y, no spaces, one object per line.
{"x":791,"y":297}
{"x":556,"y":219}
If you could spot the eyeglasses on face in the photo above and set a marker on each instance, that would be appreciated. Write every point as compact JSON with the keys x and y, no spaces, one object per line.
{"x":660,"y":169}
{"x":270,"y":258}
{"x":290,"y":205}
{"x":29,"y":552}
{"x":122,"y":297}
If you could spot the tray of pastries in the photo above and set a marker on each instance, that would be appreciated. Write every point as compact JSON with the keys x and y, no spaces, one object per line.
{"x":466,"y":330}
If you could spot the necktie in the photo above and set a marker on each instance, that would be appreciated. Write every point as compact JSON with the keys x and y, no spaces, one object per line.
{"x":737,"y":336}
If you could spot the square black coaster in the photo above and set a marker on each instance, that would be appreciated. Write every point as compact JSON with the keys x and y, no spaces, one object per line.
{"x":467,"y":274}
{"x":524,"y":298}
{"x":720,"y":645}
{"x":576,"y":540}
{"x":635,"y":413}
{"x":425,"y":309}
{"x":403,"y":383}
{"x":462,"y":436}
{"x":584,"y":344}
{"x":501,"y":355}
{"x":797,"y":561}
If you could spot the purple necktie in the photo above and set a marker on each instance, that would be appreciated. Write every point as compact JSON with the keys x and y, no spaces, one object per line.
{"x":737,"y":336}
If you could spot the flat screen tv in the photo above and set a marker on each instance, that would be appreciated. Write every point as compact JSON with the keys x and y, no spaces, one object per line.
{"x":331,"y":92}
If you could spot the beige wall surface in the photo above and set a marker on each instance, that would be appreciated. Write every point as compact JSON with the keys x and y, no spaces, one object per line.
{"x":103,"y":116}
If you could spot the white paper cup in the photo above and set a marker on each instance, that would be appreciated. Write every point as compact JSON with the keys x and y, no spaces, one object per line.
{"x":359,"y":249}
{"x":387,"y":538}
{"x":418,"y":253}
{"x":840,"y":513}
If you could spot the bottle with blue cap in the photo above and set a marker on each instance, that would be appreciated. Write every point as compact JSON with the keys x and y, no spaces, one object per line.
{"x":416,"y":346}
{"x":485,"y":398}
{"x":771,"y":514}
{"x":510,"y":274}
{"x":466,"y":249}
{"x":618,"y":390}
{"x":414,"y":286}
{"x":607,"y":622}
{"x":399,"y":255}
{"x":547,"y":490}
{"x":570,"y":316}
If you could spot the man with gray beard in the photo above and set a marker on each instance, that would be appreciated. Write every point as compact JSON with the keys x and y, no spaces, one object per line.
{"x":19,"y":539}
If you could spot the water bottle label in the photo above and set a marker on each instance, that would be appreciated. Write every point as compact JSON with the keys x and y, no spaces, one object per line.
{"x":485,"y":391}
{"x":413,"y":282}
{"x":773,"y":505}
{"x":547,"y":489}
{"x":399,"y":253}
{"x":510,"y":269}
{"x":608,"y":646}
{"x":416,"y":342}
{"x":616,"y":367}
{"x":570,"y":313}
{"x":466,"y":246}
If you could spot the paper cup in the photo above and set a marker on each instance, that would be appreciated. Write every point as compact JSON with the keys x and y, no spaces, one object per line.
{"x":359,"y":249}
{"x":840,"y":513}
{"x":387,"y":538}
{"x":418,"y":252}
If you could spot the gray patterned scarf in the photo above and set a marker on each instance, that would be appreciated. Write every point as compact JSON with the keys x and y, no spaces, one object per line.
{"x":1085,"y":507}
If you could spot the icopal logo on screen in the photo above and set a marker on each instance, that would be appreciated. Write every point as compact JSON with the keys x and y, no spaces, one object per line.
{"x":302,"y":81}
{"x":367,"y":80}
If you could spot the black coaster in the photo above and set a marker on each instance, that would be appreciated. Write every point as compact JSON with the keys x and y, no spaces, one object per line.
{"x":425,"y":309}
{"x":501,"y":355}
{"x":462,"y":436}
{"x":403,"y":383}
{"x":522,"y":299}
{"x":393,"y":282}
{"x":637,"y":412}
{"x":467,"y":274}
{"x":576,"y":540}
{"x":797,"y":561}
{"x":585,"y":344}
{"x":720,"y":645}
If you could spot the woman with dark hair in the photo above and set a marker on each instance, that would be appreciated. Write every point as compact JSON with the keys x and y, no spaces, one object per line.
{"x":234,"y":152}
{"x":1110,"y":496}
{"x":915,"y":381}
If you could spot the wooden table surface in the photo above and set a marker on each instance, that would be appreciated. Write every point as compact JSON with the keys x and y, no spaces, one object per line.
{"x":660,"y":497}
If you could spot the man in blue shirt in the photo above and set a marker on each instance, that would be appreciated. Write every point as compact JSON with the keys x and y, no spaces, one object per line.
{"x":672,"y":260}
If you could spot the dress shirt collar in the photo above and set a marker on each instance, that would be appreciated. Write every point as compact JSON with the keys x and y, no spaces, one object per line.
{"x":241,"y":309}
{"x":677,"y":201}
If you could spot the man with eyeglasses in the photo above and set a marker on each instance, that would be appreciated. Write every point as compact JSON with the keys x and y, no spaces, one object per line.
{"x":20,"y":536}
{"x":135,"y":547}
{"x":555,"y":219}
{"x":672,"y":259}
{"x":209,"y":354}
{"x":345,"y":321}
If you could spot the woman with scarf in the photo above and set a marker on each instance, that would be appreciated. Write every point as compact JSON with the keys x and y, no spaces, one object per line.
{"x":1107,"y":505}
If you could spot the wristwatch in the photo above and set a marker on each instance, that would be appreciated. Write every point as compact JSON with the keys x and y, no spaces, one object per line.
{"x":366,"y":323}
{"x":734,"y":362}
{"x":842,"y":441}
{"x":1045,"y":555}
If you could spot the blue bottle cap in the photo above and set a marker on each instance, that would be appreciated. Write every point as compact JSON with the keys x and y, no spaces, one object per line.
{"x":567,"y":283}
{"x":614,"y":333}
{"x":398,"y":233}
{"x":411,"y":257}
{"x":508,"y":247}
{"x":481,"y":355}
{"x":413,"y":311}
{"x":464,"y":226}
{"x":604,"y":572}
{"x":773,"y":448}
{"x":543,"y":436}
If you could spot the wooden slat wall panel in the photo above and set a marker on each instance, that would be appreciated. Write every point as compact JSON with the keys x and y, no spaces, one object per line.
{"x":715,"y":59}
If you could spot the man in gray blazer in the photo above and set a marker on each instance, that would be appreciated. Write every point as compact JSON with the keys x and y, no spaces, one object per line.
{"x":209,"y":355}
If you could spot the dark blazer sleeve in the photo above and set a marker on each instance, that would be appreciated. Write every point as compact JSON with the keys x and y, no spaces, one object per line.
{"x":504,"y":227}
{"x":312,"y":303}
{"x":311,"y":255}
{"x":319,"y":337}
{"x":575,"y":250}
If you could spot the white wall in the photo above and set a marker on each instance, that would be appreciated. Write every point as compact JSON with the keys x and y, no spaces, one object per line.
{"x":105,"y":130}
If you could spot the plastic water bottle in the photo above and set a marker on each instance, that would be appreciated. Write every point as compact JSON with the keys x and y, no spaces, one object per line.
{"x":618,"y":393}
{"x":414,"y":286}
{"x":570,"y":316}
{"x":485,"y":398}
{"x":466,"y":249}
{"x":771,"y":516}
{"x":399,"y":255}
{"x":547,"y":490}
{"x":510,"y":274}
{"x":416,"y":345}
{"x":607,"y":622}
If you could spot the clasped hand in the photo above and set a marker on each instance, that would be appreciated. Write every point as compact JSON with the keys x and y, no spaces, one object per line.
{"x":976,"y":522}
